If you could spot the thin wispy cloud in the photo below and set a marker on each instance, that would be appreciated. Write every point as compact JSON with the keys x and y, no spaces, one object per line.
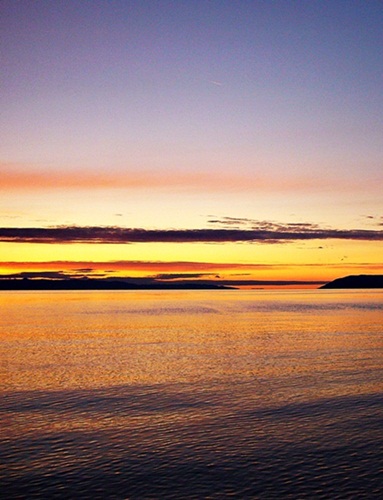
{"x":134,"y":265}
{"x":177,"y":276}
{"x":37,"y":274}
{"x":265,"y":225}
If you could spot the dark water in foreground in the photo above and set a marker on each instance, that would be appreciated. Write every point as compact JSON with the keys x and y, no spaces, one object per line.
{"x":191,"y":394}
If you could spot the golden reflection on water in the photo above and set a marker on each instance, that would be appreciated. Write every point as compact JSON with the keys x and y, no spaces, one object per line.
{"x":101,"y":385}
{"x":66,"y":340}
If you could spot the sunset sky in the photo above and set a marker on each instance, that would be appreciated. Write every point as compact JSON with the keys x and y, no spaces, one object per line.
{"x":238,"y":141}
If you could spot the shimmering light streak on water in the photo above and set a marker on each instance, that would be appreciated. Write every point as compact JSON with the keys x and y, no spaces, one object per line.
{"x":244,"y":394}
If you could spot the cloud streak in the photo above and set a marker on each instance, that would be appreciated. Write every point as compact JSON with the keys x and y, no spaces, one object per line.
{"x":173,"y":267}
{"x":161,"y":267}
{"x":24,"y":177}
{"x":275,"y":233}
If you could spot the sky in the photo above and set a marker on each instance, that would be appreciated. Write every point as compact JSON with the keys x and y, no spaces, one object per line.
{"x":236,"y":141}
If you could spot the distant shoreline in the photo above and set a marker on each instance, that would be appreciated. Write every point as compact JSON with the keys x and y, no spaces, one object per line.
{"x":44,"y":284}
{"x":93,"y":284}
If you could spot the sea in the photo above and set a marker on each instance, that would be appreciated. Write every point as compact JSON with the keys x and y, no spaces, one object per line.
{"x":248,"y":394}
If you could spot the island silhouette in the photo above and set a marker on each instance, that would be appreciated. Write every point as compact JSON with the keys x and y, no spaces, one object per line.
{"x":357,"y":281}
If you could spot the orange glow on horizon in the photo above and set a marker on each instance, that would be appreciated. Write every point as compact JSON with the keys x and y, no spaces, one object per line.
{"x":237,"y":273}
{"x":19,"y":177}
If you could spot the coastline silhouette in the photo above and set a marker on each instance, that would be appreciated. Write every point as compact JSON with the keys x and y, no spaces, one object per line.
{"x":101,"y":284}
{"x":359,"y":281}
{"x":347,"y":282}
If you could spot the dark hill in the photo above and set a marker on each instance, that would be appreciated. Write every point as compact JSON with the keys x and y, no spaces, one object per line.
{"x":361,"y":281}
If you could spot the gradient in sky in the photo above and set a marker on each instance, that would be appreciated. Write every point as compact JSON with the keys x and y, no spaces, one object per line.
{"x":210,"y":138}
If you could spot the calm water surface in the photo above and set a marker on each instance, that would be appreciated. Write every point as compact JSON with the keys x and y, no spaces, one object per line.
{"x":241,"y":394}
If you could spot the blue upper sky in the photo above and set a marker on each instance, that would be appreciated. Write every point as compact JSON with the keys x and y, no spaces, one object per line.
{"x":297,"y":76}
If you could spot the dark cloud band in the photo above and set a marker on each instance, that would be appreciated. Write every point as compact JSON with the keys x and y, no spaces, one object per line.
{"x":118,"y":235}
